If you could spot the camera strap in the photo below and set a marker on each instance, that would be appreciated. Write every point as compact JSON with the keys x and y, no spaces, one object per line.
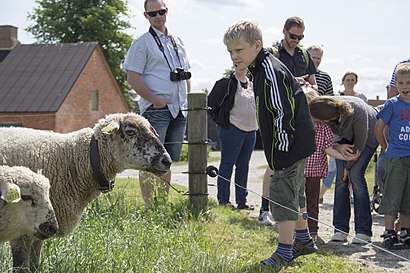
{"x":161,"y":47}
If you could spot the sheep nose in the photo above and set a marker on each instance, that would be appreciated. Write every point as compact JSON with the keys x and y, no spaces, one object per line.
{"x":166,"y":160}
{"x":48,"y":229}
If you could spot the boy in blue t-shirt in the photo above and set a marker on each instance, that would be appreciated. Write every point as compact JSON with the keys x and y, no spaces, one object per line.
{"x":396,"y":193}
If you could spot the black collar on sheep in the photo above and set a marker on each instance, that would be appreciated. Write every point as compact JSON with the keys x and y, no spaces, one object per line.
{"x":104,"y":185}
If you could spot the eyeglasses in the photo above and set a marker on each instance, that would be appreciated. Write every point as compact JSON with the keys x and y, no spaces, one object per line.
{"x":296,"y":37}
{"x":155,"y":12}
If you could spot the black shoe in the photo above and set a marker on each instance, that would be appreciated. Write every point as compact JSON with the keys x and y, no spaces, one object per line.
{"x":245,"y":207}
{"x":300,"y":249}
{"x":391,"y":241}
{"x":405,"y":236}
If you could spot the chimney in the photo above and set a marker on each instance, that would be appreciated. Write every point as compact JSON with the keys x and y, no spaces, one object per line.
{"x":8,"y":37}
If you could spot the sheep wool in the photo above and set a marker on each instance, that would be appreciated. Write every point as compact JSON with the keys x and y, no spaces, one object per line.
{"x":32,"y":214}
{"x":125,"y":141}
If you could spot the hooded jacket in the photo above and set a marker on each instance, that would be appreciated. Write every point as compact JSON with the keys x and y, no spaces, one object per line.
{"x":285,"y":123}
{"x":221,"y":100}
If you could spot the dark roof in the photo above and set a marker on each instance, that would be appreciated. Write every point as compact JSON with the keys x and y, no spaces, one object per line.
{"x":37,"y":78}
{"x":3,"y":54}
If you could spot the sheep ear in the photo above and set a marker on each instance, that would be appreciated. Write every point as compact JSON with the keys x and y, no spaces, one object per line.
{"x":10,"y":193}
{"x":111,"y":128}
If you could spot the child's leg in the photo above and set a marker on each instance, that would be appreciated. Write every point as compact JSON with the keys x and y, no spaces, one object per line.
{"x":312,"y":202}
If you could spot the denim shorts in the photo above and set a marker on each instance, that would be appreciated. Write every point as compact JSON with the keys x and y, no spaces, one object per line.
{"x":287,"y":187}
{"x":396,"y":188}
{"x":171,"y":131}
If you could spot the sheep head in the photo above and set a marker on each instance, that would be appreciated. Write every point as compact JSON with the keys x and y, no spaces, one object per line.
{"x":134,"y":143}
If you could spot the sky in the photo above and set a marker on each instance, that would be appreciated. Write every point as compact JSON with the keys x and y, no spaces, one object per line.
{"x":368,"y":37}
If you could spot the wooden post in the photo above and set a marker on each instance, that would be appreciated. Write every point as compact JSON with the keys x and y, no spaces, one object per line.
{"x":197,"y":150}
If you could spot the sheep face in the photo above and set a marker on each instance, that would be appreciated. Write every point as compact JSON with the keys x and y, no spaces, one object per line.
{"x":138,"y":145}
{"x":33,"y":215}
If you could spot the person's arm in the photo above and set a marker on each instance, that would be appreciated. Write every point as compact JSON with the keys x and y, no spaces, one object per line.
{"x":188,"y":86}
{"x":281,"y":101}
{"x":338,"y":155}
{"x":379,"y":133}
{"x":138,"y":84}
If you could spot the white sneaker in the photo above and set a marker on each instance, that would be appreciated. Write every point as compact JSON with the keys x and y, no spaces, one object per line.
{"x":361,"y":239}
{"x":339,"y":237}
{"x":265,"y":218}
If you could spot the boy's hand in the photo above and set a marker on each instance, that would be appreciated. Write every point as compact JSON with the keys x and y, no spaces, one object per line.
{"x":346,"y":175}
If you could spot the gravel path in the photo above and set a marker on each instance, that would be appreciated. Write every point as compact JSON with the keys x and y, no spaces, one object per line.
{"x":367,"y":256}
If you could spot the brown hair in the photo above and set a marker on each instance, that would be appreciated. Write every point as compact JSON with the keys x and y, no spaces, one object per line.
{"x":350,"y":73}
{"x":329,"y":108}
{"x":294,"y":21}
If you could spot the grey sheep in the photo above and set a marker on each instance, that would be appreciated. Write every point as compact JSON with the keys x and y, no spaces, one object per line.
{"x":29,"y":212}
{"x":81,"y":164}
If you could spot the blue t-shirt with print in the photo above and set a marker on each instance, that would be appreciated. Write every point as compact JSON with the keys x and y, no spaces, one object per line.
{"x":396,"y":115}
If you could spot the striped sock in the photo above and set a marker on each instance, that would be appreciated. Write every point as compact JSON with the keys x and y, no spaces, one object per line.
{"x":302,"y":236}
{"x":284,"y":251}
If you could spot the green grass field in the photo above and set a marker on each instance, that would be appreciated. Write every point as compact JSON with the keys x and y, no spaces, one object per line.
{"x":118,"y":234}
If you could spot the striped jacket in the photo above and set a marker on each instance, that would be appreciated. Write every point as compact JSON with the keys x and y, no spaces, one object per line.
{"x":286,"y":127}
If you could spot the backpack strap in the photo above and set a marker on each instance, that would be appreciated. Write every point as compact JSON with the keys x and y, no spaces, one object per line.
{"x":275,"y":51}
{"x":305,"y":55}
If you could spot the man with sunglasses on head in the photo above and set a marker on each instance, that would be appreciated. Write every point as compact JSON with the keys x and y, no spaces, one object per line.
{"x":157,"y":69}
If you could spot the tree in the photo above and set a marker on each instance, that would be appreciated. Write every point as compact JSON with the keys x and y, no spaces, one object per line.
{"x":70,"y":21}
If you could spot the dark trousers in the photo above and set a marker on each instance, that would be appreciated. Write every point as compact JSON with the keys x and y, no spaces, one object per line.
{"x":312,"y":190}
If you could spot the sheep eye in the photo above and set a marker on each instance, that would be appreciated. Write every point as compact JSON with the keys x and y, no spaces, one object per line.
{"x":28,"y":198}
{"x":130,"y":132}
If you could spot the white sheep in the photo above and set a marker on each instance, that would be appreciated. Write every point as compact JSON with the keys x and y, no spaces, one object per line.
{"x":81,"y":164}
{"x":25,"y":209}
{"x":29,"y":211}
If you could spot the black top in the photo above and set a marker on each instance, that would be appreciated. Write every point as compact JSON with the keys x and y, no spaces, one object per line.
{"x":221,"y":100}
{"x":285,"y":124}
{"x":297,"y":64}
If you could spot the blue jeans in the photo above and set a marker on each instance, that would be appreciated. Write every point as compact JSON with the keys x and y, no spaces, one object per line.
{"x":341,"y":208}
{"x":236,"y":149}
{"x":328,"y":181}
{"x":170,"y":131}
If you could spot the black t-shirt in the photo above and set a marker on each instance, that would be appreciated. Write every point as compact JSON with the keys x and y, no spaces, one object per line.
{"x":297,"y":64}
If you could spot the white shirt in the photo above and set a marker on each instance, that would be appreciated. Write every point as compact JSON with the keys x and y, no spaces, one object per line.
{"x":145,"y":58}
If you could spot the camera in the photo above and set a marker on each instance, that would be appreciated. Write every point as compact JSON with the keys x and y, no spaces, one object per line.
{"x":180,"y":74}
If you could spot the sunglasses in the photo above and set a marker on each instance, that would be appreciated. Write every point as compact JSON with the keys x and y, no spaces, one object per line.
{"x":295,"y":37}
{"x":155,"y":12}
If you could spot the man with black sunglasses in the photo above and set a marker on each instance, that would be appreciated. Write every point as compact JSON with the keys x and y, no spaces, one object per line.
{"x":157,"y":69}
{"x":294,"y":56}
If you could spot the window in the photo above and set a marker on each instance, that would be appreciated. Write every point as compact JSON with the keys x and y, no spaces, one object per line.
{"x":10,"y":124}
{"x":94,"y":100}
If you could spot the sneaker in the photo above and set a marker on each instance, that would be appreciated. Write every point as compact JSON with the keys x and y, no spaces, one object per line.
{"x":300,"y":249}
{"x":339,"y":237}
{"x":391,"y":241}
{"x":317,"y":239}
{"x":361,"y":239}
{"x":265,"y":218}
{"x":245,"y":207}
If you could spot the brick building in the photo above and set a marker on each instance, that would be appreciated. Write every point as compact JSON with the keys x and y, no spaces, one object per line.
{"x":59,"y":87}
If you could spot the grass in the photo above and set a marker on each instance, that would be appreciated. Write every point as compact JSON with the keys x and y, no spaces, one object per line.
{"x":118,"y":234}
